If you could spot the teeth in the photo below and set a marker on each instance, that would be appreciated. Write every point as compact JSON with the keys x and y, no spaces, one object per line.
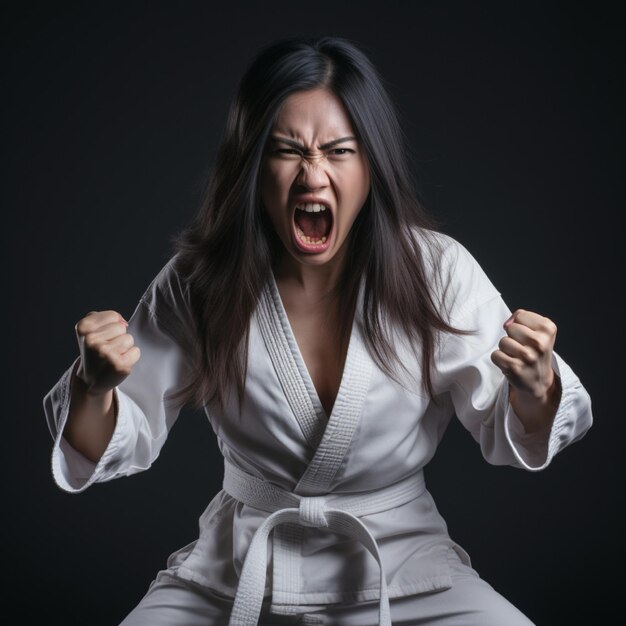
{"x":311,"y":207}
{"x":308,"y":239}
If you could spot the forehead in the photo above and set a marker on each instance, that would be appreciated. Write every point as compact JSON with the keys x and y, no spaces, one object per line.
{"x":313,"y":113}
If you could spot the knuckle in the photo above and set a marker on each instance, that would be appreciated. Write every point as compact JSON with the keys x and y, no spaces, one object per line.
{"x":535,"y":344}
{"x":132,"y":356}
{"x":83,"y":326}
{"x":548,"y":326}
{"x":108,"y":317}
{"x":540,"y":345}
{"x":515,"y":368}
{"x":91,"y":341}
{"x":103,"y":350}
{"x":122,"y":370}
{"x":530,"y":356}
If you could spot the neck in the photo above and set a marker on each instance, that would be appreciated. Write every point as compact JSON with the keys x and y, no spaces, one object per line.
{"x":316,"y":281}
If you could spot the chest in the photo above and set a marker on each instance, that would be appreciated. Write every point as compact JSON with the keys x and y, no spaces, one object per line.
{"x":315,"y":332}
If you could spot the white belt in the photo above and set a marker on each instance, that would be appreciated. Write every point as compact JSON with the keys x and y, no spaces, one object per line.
{"x":337,"y":512}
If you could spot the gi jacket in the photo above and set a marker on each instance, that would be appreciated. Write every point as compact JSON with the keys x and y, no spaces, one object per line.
{"x":380,"y":432}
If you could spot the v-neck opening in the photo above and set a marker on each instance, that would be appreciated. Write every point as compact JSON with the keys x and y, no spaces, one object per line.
{"x":301,"y":363}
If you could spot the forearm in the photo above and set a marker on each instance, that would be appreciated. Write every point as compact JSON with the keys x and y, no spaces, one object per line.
{"x":536,"y":414}
{"x":91,"y":420}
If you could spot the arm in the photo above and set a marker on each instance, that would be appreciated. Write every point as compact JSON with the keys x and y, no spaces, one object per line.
{"x":537,"y":414}
{"x":143,"y":414}
{"x":91,"y":419}
{"x":525,"y":358}
{"x":480,"y":392}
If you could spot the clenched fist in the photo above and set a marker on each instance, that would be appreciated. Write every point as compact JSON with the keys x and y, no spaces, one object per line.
{"x":107,"y":351}
{"x":525,"y":358}
{"x":525,"y":355}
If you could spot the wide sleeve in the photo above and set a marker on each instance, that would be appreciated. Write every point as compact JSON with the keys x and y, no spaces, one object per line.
{"x":144,"y":412}
{"x":477,"y":387}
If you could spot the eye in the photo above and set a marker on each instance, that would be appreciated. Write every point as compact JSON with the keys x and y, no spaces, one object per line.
{"x":341,"y":151}
{"x":294,"y":151}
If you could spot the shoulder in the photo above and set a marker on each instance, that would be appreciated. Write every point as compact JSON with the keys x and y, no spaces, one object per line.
{"x":459,"y":282}
{"x":434,"y":246}
{"x":167,"y":297}
{"x":439,"y":248}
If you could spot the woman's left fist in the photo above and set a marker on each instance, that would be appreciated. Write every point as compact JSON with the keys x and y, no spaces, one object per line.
{"x":525,"y":354}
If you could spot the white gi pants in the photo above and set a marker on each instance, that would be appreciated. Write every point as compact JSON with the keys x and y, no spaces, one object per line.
{"x":172,"y":601}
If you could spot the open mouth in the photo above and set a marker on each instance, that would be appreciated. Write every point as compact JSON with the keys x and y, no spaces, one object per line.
{"x":313,"y":224}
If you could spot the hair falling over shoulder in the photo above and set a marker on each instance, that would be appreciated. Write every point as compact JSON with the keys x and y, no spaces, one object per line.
{"x":225,"y":255}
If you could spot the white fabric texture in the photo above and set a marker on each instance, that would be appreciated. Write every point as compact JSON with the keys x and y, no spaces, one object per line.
{"x":470,"y":601}
{"x":379,"y":433}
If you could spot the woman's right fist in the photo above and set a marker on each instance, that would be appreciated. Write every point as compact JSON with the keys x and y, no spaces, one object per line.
{"x":107,"y":351}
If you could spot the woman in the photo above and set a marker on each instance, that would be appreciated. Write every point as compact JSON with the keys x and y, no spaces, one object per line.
{"x":330,"y":331}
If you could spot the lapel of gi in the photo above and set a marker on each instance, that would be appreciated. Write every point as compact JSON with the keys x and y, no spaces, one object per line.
{"x":329,"y":438}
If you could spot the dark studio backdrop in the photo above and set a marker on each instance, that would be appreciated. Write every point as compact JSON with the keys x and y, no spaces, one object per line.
{"x":112,"y":114}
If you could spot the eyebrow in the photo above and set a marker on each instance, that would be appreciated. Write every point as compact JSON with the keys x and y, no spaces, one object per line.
{"x":295,"y":144}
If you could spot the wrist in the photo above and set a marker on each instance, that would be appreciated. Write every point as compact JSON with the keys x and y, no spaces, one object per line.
{"x":88,"y":395}
{"x":536,"y":414}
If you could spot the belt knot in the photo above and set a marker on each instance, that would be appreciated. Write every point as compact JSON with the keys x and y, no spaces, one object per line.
{"x":312,"y":511}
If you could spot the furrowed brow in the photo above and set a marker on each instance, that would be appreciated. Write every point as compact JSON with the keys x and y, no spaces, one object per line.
{"x":299,"y":146}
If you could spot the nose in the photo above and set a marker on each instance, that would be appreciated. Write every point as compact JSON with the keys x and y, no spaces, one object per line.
{"x":312,"y":174}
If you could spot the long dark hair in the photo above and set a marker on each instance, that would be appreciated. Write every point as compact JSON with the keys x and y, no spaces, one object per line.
{"x":225,"y":255}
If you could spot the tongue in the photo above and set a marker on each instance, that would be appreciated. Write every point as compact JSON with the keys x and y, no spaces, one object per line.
{"x":314,"y":225}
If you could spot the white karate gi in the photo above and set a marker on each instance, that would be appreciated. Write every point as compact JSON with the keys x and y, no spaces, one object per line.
{"x":376,"y":441}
